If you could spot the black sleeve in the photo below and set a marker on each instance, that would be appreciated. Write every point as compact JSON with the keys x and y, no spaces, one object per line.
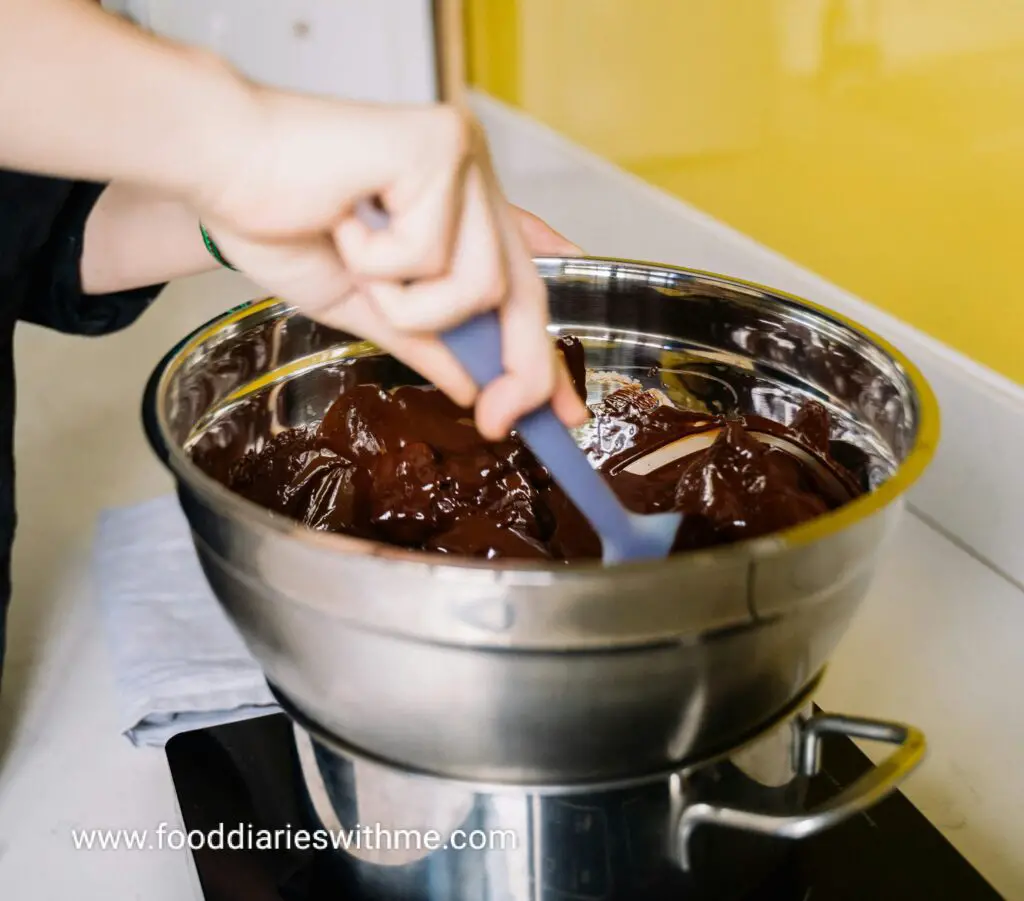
{"x":55,"y":299}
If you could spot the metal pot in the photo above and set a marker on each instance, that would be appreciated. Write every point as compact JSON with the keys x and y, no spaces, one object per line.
{"x":402,"y":836}
{"x":496,"y":672}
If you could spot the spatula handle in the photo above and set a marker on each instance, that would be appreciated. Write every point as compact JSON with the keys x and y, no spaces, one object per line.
{"x":476,"y":344}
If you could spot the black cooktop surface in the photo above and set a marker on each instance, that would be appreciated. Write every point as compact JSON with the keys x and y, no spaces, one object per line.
{"x":247,"y":774}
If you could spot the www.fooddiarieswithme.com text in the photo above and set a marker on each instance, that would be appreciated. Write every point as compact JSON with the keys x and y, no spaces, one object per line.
{"x":246,"y":837}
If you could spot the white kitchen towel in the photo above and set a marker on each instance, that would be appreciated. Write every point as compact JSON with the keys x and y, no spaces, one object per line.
{"x":179,"y":663}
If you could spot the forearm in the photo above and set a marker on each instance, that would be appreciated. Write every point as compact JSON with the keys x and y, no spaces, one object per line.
{"x":85,"y":95}
{"x":136,"y":237}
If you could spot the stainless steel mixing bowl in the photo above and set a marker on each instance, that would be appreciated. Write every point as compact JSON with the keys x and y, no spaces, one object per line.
{"x":516,"y":672}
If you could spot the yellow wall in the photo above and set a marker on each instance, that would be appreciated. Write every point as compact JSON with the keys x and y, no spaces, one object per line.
{"x":877,"y":142}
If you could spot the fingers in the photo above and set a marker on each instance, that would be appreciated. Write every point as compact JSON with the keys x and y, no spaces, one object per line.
{"x":528,"y":357}
{"x":540,"y":238}
{"x":475,"y":281}
{"x":497,"y":405}
{"x":531,"y":362}
{"x":417,"y":242}
{"x":424,"y":206}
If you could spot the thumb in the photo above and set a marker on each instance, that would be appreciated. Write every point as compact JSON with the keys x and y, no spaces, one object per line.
{"x":540,"y":238}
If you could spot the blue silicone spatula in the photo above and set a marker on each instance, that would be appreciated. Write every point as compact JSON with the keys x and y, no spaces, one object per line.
{"x":625,"y":536}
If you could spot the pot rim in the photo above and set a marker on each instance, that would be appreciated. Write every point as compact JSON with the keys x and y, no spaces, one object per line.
{"x":527,"y":571}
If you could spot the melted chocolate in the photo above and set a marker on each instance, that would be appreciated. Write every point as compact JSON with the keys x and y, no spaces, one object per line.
{"x":408,"y":467}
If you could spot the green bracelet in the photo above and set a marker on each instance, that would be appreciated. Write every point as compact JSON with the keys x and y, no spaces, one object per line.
{"x":213,"y":249}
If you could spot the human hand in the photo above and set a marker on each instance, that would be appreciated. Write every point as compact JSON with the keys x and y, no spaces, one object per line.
{"x":285,"y":214}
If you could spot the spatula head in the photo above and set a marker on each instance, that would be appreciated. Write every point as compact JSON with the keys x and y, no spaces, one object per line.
{"x":649,"y":537}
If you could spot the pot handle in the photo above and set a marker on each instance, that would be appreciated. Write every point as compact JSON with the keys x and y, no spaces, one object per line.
{"x":865,"y":792}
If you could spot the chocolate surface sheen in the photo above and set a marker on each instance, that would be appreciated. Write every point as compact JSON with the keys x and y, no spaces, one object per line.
{"x":407,"y":467}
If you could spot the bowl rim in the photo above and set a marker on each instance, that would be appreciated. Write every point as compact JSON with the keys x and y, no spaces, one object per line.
{"x":811,"y":532}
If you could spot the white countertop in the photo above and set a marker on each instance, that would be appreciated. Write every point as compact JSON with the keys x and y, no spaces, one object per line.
{"x":937,"y":643}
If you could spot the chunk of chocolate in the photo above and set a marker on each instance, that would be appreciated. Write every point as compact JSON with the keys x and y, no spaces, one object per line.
{"x":744,"y":488}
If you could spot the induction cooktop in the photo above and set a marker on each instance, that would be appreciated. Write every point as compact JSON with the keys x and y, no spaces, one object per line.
{"x":247,"y":773}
